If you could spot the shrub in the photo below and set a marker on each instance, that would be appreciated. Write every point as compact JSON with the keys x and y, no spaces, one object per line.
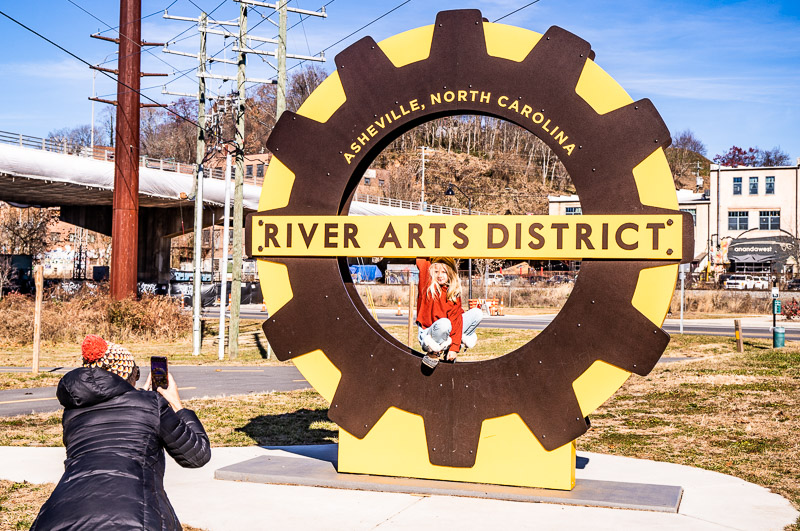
{"x":68,"y":318}
{"x":790,"y":309}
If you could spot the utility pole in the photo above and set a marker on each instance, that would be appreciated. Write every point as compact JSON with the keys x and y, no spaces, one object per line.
{"x":424,"y":149}
{"x":242,"y":49}
{"x":125,"y":216}
{"x":198,"y":195}
{"x":224,"y":268}
{"x":281,"y":6}
{"x":125,"y":209}
{"x":280,"y":101}
{"x":698,"y":180}
{"x":238,"y":191}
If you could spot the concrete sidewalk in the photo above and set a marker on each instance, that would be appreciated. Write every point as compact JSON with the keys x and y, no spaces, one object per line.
{"x":711,"y":501}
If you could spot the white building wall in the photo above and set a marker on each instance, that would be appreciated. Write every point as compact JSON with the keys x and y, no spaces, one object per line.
{"x":687,"y":200}
{"x":723,"y":200}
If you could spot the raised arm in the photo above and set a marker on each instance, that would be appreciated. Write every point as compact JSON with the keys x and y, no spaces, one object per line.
{"x":182,"y":433}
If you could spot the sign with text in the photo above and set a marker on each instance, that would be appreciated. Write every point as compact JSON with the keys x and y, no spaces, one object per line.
{"x":629,"y":237}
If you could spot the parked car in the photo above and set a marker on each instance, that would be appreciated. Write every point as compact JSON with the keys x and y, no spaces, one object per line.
{"x":560,"y":279}
{"x":535,"y":279}
{"x":793,"y":284}
{"x":740,"y":282}
{"x":761,"y":283}
{"x":496,"y":279}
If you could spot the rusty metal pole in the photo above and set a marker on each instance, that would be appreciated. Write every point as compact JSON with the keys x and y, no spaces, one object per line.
{"x":125,"y":220}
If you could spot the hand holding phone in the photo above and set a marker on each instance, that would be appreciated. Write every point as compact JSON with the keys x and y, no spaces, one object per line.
{"x":159,"y":373}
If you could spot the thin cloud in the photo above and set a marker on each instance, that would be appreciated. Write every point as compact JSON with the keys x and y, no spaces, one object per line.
{"x":741,"y":89}
{"x":65,"y":70}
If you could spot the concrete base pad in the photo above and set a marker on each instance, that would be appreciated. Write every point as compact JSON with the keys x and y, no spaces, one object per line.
{"x":320,"y":471}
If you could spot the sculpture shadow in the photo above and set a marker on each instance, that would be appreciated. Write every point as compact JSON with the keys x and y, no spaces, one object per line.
{"x":262,"y":346}
{"x":301,"y":427}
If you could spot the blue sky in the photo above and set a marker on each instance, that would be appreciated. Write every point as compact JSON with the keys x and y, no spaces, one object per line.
{"x":729,"y":71}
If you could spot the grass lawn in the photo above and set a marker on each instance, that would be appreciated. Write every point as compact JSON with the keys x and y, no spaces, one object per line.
{"x":719,"y":410}
{"x":179,"y":352}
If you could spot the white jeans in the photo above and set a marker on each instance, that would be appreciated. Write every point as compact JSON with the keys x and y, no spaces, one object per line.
{"x":440,"y":330}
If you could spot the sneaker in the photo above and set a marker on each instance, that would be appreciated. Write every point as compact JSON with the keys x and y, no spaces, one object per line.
{"x":469,"y":341}
{"x":430,"y":361}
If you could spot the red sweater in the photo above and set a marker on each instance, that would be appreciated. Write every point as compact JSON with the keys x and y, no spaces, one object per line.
{"x":432,"y":308}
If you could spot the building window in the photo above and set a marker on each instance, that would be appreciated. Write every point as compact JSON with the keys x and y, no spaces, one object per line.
{"x":769,"y":185}
{"x":249,"y":170}
{"x":381,"y":182}
{"x":753,"y":185}
{"x":574,"y":211}
{"x":737,"y":220}
{"x":693,"y":212}
{"x":769,"y":220}
{"x":259,"y":170}
{"x":737,"y":186}
{"x":366,"y":181}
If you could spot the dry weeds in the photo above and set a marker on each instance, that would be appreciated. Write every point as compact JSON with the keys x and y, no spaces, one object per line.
{"x":20,"y":502}
{"x":68,"y":319}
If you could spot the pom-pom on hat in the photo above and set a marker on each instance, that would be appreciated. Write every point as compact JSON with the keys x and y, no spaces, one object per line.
{"x":97,"y":352}
{"x":93,"y":348}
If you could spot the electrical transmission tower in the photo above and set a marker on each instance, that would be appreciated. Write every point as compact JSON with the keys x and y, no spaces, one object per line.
{"x":244,"y":45}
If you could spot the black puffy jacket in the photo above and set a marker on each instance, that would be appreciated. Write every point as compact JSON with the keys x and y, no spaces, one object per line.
{"x":115,"y":437}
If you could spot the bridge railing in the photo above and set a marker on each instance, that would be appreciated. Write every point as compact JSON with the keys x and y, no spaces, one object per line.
{"x":107,"y":154}
{"x":414,"y":205}
{"x":56,"y":145}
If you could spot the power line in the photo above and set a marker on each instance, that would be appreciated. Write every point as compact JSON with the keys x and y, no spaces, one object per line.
{"x":142,"y":18}
{"x":366,"y":25}
{"x":308,"y":46}
{"x":356,"y":31}
{"x":87,"y":63}
{"x":516,"y":10}
{"x":139,"y":45}
{"x":172,"y":40}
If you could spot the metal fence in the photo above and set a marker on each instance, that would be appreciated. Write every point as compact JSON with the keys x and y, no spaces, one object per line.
{"x":107,"y":154}
{"x":415,"y":205}
{"x":54,"y":145}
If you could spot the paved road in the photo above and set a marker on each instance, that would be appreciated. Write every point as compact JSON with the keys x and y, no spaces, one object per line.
{"x":753,"y":327}
{"x":757,"y":327}
{"x":193,"y":382}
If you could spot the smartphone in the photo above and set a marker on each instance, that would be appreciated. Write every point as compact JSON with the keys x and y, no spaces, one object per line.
{"x":158,"y":372}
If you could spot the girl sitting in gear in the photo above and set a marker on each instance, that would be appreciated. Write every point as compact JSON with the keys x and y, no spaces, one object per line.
{"x":443,"y":325}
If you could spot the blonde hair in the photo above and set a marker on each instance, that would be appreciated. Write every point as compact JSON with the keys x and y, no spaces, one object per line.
{"x":453,"y":283}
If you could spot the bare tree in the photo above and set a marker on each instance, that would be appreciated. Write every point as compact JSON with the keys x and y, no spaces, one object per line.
{"x":484,"y":266}
{"x":72,"y":138}
{"x":6,"y":270}
{"x":105,"y":131}
{"x":302,"y":84}
{"x":773,"y":157}
{"x":25,"y":230}
{"x":259,"y":118}
{"x":683,"y":157}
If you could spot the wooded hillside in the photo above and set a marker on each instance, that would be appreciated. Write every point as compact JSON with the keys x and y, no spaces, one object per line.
{"x":502,"y":167}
